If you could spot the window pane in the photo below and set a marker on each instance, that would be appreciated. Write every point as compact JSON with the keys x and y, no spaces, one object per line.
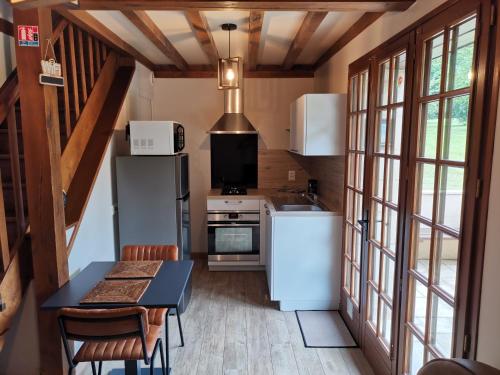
{"x":362,"y":132}
{"x":348,"y":240}
{"x":445,"y":271}
{"x":357,"y":247}
{"x":433,"y":65}
{"x":376,"y":222}
{"x":350,"y":168}
{"x":456,"y":114}
{"x":392,"y":181}
{"x":421,"y":248}
{"x":372,"y":306}
{"x":347,"y":274}
{"x":374,"y":264}
{"x":383,"y":95}
{"x":354,"y":94}
{"x":390,"y":229}
{"x":349,"y":206}
{"x":378,"y":177}
{"x":358,"y":214}
{"x":388,"y":276}
{"x":360,"y":171}
{"x":364,"y":91}
{"x":352,"y":132}
{"x":451,"y":182}
{"x":415,"y":354}
{"x":418,"y":300}
{"x":385,"y":324}
{"x":461,"y":54}
{"x":424,"y":189}
{"x":395,"y":132}
{"x":398,"y":91}
{"x":428,"y":128}
{"x":380,"y":131}
{"x":441,"y":326}
{"x":355,"y":285}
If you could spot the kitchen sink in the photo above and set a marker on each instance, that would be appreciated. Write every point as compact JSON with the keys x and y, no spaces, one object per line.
{"x":299,"y":207}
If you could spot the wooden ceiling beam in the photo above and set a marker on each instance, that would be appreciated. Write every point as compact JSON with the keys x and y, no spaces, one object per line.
{"x":85,"y":21}
{"x":202,"y":33}
{"x":262,"y":71}
{"x":27,"y":4}
{"x":321,"y":5}
{"x":310,"y":24}
{"x":359,"y":26}
{"x":148,"y":27}
{"x":254,"y":28}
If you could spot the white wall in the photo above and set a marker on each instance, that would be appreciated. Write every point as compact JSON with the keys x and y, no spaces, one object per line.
{"x":198,"y":104}
{"x":333,"y":77}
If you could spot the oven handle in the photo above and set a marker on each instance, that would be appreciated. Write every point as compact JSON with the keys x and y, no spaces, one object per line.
{"x":233,"y":225}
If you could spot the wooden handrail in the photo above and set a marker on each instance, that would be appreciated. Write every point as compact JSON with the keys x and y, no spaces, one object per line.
{"x":9,"y":95}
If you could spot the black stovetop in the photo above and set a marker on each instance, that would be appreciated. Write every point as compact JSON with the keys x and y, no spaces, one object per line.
{"x":234,"y":190}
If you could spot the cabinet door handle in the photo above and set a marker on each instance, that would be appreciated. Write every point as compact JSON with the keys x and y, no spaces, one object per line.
{"x":233,"y":202}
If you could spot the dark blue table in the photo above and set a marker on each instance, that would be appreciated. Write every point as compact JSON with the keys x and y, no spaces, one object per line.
{"x":165,"y":290}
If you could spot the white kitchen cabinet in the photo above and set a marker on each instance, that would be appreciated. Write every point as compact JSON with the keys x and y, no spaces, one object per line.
{"x":263,"y":231}
{"x":304,"y":261}
{"x":269,"y":252}
{"x":318,"y":125}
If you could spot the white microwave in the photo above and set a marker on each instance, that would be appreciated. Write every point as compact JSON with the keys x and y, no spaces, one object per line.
{"x":156,"y":137}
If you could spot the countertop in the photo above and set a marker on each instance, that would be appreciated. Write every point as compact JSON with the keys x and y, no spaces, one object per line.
{"x":275,"y":195}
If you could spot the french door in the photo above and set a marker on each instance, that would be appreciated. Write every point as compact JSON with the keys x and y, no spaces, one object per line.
{"x":353,"y":198}
{"x":415,"y":109}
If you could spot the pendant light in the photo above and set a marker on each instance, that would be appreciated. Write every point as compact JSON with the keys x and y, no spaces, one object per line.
{"x":229,"y":68}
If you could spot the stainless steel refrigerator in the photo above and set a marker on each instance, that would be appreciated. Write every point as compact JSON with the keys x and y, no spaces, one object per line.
{"x":153,"y":201}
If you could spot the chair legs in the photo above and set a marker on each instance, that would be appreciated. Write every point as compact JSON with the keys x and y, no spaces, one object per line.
{"x":180,"y":325}
{"x":94,"y":371}
{"x":164,"y":371}
{"x":158,"y":345}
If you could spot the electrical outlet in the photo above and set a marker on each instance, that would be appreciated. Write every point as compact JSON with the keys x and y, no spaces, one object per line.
{"x":291,"y":175}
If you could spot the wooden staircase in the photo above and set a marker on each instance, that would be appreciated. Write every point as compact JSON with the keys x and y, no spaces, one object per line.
{"x":96,"y":83}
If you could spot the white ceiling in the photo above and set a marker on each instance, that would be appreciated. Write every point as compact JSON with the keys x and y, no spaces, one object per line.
{"x":278,"y":31}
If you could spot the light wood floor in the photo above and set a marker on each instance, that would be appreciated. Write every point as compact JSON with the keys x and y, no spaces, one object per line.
{"x":231,"y":327}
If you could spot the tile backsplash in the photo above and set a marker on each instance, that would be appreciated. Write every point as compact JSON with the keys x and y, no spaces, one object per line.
{"x":274,"y":166}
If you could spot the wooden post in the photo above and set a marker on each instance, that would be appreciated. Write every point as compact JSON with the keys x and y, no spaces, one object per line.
{"x":42,"y":152}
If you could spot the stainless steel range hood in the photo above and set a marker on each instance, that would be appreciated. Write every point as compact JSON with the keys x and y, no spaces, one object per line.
{"x":233,"y":121}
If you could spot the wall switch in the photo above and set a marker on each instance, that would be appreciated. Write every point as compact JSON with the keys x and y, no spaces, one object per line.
{"x":291,"y":175}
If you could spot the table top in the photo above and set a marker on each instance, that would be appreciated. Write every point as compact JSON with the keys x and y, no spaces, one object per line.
{"x":165,"y":290}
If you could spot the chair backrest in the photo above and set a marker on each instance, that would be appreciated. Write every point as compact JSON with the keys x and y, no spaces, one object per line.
{"x":457,"y":367}
{"x":103,"y":324}
{"x":150,"y":252}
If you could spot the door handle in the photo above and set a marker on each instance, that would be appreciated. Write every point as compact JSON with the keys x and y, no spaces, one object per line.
{"x":364,"y":223}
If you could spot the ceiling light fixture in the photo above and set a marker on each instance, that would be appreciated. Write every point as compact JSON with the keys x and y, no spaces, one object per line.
{"x":229,"y":68}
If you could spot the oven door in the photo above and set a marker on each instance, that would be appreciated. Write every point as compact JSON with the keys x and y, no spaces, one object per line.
{"x":229,"y":241}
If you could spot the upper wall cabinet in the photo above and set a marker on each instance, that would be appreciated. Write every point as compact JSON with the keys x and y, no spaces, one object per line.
{"x":317,"y":125}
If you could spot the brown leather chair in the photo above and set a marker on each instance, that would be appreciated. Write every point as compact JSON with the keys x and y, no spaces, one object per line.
{"x":110,"y":335}
{"x":154,"y":252}
{"x":457,"y":367}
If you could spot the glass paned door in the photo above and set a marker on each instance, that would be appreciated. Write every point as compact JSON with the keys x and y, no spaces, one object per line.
{"x":354,"y":186}
{"x":439,"y":165}
{"x":384,"y":199}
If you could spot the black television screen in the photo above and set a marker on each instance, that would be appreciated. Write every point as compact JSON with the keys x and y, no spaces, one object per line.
{"x":234,"y":159}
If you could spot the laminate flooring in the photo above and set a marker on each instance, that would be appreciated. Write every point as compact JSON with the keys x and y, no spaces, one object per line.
{"x":231,"y":327}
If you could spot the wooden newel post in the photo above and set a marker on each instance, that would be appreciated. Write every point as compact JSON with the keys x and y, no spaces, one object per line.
{"x":42,"y":153}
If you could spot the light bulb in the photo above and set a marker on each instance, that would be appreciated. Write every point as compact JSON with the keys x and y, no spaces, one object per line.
{"x":230,"y":74}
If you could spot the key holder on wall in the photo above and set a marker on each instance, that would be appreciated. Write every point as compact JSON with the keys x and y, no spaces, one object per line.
{"x":51,"y":70}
